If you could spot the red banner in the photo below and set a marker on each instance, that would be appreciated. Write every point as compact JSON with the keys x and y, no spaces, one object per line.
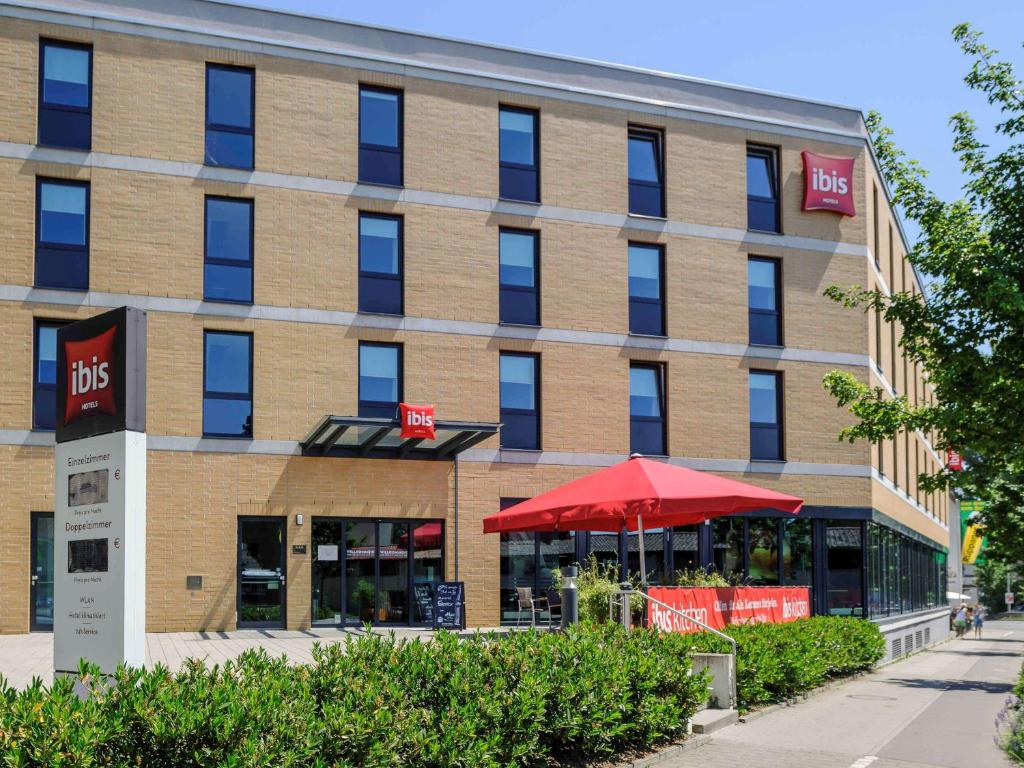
{"x":719,"y":606}
{"x":954,"y":461}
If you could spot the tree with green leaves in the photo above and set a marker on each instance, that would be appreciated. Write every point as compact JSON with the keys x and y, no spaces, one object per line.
{"x":969,"y":334}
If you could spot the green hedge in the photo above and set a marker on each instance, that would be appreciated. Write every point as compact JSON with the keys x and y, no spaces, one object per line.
{"x":522,"y":700}
{"x":776,"y":662}
{"x":1010,"y":722}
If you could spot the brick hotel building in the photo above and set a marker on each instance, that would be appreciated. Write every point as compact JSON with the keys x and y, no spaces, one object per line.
{"x":572,"y":260}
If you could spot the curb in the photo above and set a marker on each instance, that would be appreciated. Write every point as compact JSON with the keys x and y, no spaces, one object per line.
{"x":667,"y":753}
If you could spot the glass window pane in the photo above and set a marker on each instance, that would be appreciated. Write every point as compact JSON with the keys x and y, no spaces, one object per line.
{"x":230,"y":98}
{"x":797,"y":553}
{"x":518,"y":565}
{"x":224,"y":283}
{"x":727,"y":545}
{"x":644,"y":272}
{"x":46,"y":355}
{"x":763,"y":551}
{"x":227,"y":417}
{"x":518,"y":382}
{"x":65,"y":76}
{"x":233,"y":150}
{"x":228,"y":229}
{"x":654,"y":554}
{"x":227,"y":363}
{"x":515,"y":137}
{"x":759,"y":175}
{"x":378,"y":118}
{"x":516,"y":251}
{"x":644,"y":391}
{"x":684,"y":548}
{"x":643,"y":159}
{"x":62,"y":213}
{"x":763,"y":401}
{"x":761,"y":284}
{"x":378,"y":245}
{"x":378,"y":373}
{"x":845,"y":561}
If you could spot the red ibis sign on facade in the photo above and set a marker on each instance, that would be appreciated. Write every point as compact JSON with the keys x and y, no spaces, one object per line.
{"x":828,"y":183}
{"x":417,"y":421}
{"x":954,"y":461}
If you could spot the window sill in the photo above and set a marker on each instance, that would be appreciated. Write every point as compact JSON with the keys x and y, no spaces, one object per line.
{"x":233,"y":302}
{"x":379,"y":314}
{"x":504,"y":449}
{"x":205,"y":436}
{"x":248,"y":168}
{"x":766,"y":346}
{"x":767,"y":461}
{"x":43,"y":430}
{"x":380,"y":184}
{"x":646,"y":216}
{"x":765,"y":231}
{"x":635,"y":335}
{"x":506,"y":324}
{"x":535,"y":203}
{"x":63,"y":147}
{"x":38,"y":287}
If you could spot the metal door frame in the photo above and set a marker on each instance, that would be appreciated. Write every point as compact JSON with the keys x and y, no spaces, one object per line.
{"x":283,"y":522}
{"x":33,"y":537}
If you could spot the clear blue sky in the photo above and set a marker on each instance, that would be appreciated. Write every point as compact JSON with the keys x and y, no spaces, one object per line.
{"x":895,"y":56}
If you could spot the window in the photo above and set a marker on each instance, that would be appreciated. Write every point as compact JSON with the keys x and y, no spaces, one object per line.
{"x":65,"y":95}
{"x":227,"y":384}
{"x":647,"y":409}
{"x":878,"y":339}
{"x":765,"y":416}
{"x":518,"y":276}
{"x":727,"y":545}
{"x":518,"y":154}
{"x":380,"y":379}
{"x":764,"y":296}
{"x":762,"y":190}
{"x":380,"y":264}
{"x":844,"y":568}
{"x":874,"y":219}
{"x":62,"y":234}
{"x":646,"y":173}
{"x":227,"y":271}
{"x":520,"y":402}
{"x":230,"y":116}
{"x":44,"y":376}
{"x":380,"y":136}
{"x":763,"y":551}
{"x":646,"y":289}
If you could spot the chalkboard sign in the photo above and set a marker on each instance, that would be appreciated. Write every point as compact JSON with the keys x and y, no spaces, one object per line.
{"x":450,"y":605}
{"x":424,"y":596}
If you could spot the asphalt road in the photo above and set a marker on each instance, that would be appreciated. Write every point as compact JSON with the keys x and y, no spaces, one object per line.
{"x":937,"y":708}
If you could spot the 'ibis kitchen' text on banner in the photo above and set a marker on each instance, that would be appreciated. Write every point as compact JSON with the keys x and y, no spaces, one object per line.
{"x":719,"y":606}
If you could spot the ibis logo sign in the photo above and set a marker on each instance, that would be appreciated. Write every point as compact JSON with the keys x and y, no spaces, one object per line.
{"x":101,"y":364}
{"x":828,"y":183}
{"x":417,"y":421}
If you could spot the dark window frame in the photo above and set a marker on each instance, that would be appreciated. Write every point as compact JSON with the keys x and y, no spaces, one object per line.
{"x":641,"y":132}
{"x":400,"y":132}
{"x":777,"y":313}
{"x":535,"y":290}
{"x":660,"y":248}
{"x":209,"y":126}
{"x":780,"y":419}
{"x":400,"y":373}
{"x":42,"y":104}
{"x":661,"y":371}
{"x":772,"y":154}
{"x":80,"y":249}
{"x":535,"y":168}
{"x":213,"y":394}
{"x":535,"y":412}
{"x":399,"y":278}
{"x":37,"y":388}
{"x":207,"y":259}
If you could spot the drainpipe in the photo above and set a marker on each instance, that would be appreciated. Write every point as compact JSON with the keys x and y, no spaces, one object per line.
{"x":456,"y":517}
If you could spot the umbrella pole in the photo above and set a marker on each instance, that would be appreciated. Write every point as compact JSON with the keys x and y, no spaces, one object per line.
{"x":643,"y":561}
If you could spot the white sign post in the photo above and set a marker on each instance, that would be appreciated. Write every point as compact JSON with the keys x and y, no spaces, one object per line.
{"x":1008,"y":597}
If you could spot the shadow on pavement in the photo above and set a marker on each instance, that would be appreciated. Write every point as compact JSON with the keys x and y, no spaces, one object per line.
{"x":951,"y":685}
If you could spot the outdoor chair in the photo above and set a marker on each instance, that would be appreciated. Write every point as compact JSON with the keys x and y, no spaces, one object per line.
{"x":554,"y":604}
{"x":527,"y":602}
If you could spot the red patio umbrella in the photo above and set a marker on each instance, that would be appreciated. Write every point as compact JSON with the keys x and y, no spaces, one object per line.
{"x":633,"y":494}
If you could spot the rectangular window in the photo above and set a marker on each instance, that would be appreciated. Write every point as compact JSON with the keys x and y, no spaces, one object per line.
{"x":766,"y":416}
{"x":227,"y":384}
{"x":380,"y":264}
{"x":65,"y":95}
{"x":647,"y":409}
{"x":44,"y":376}
{"x":380,"y":136}
{"x":878,"y":339}
{"x":878,"y":253}
{"x":380,"y":379}
{"x":520,"y":400}
{"x":227,"y":268}
{"x":230,"y":116}
{"x":518,"y":275}
{"x":764,"y":299}
{"x":646,"y":173}
{"x":62,"y":234}
{"x":762,"y":189}
{"x":646,"y":289}
{"x":518,"y":154}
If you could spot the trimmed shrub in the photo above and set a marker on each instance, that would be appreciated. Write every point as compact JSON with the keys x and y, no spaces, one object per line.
{"x":776,"y":662}
{"x":1010,"y":722}
{"x":524,"y":699}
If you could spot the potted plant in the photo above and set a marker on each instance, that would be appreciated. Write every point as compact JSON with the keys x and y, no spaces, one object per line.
{"x":364,"y":596}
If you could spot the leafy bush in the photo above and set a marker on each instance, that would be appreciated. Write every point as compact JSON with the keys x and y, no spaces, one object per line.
{"x":776,"y":662}
{"x":1010,"y":722}
{"x":525,"y":699}
{"x":699,"y":577}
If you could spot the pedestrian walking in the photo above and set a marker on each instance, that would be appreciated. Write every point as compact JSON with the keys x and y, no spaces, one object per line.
{"x":979,"y":621}
{"x":960,"y":622}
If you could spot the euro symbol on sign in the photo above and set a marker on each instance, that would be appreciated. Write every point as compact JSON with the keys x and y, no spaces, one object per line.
{"x":117,"y":474}
{"x":117,"y":543}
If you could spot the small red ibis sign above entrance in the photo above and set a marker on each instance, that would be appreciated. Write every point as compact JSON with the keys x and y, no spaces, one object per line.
{"x":417,"y":421}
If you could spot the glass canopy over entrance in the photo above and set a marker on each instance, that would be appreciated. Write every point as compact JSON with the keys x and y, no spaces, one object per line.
{"x":377,"y":438}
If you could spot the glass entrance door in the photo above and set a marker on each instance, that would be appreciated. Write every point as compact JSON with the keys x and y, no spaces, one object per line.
{"x":261,"y":576}
{"x":41,"y":588}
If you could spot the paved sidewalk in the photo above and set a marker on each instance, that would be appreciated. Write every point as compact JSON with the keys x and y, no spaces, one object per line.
{"x":23,"y":657}
{"x":934,"y":709}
